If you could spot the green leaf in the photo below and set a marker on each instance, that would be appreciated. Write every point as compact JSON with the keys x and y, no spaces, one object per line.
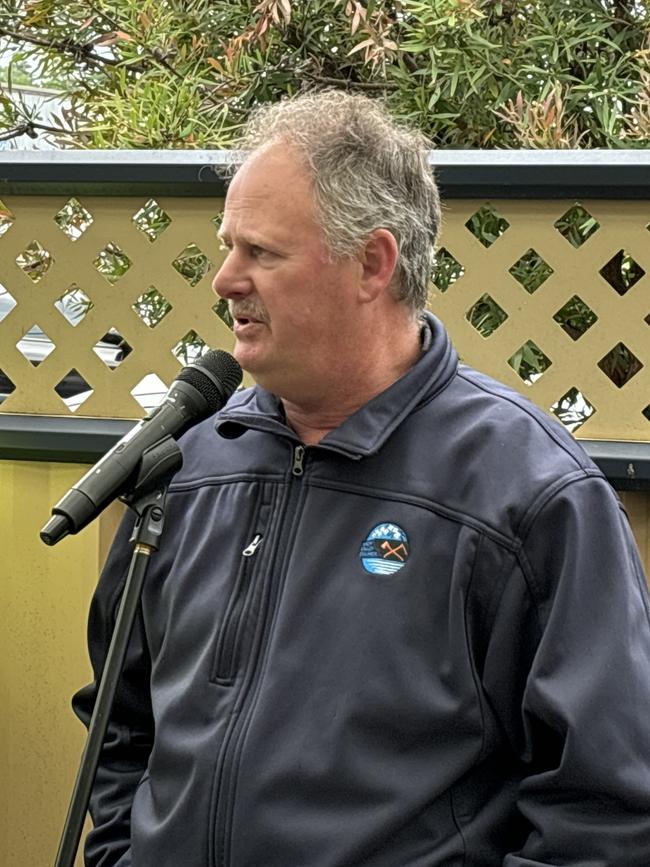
{"x":480,"y":40}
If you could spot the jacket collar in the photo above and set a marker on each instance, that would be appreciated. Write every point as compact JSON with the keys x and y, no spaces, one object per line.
{"x":366,"y":430}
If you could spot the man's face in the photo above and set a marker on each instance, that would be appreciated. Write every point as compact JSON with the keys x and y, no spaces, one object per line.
{"x":293,"y":309}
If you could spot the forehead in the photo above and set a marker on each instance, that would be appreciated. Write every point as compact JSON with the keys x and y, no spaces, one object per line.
{"x":272,"y":190}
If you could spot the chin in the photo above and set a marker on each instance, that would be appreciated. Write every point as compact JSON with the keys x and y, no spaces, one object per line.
{"x":245,"y":356}
{"x":250,"y":361}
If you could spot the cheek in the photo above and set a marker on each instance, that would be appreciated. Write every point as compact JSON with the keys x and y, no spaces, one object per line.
{"x":309,"y":306}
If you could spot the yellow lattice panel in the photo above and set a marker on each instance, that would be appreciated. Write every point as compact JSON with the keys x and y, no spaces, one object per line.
{"x":73,"y":263}
{"x":614,"y":389}
{"x":551,"y":297}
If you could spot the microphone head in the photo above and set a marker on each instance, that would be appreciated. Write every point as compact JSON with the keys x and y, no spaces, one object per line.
{"x":215,"y":375}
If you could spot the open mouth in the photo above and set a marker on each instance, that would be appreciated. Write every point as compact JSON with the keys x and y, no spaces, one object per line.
{"x":244,"y":315}
{"x":245,"y":322}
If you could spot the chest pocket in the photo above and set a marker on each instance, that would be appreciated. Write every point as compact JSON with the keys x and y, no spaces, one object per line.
{"x":237,"y":624}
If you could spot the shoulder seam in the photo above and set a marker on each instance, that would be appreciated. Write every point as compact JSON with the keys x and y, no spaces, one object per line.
{"x":543,"y":423}
{"x":551,"y":491}
{"x":526,"y":566}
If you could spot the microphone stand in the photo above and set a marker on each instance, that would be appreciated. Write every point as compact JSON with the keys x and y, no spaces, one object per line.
{"x":146,"y":497}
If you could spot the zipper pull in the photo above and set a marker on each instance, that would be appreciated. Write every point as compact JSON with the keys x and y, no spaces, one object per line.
{"x":249,"y":550}
{"x":298,"y":458}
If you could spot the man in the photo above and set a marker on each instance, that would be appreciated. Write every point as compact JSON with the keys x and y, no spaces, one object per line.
{"x":397,"y":618}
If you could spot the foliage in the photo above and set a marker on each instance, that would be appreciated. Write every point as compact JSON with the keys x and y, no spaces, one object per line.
{"x":20,"y":72}
{"x":469,"y":73}
{"x":529,"y":362}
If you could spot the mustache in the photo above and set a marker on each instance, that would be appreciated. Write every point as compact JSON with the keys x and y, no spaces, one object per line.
{"x":248,"y":309}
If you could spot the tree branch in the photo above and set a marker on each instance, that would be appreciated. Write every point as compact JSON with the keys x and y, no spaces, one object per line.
{"x":348,"y":83}
{"x":6,"y":135}
{"x":84,"y":53}
{"x":29,"y":128}
{"x":156,"y":53}
{"x":78,"y":50}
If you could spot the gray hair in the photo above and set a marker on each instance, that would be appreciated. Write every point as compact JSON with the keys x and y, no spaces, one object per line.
{"x":368,"y":171}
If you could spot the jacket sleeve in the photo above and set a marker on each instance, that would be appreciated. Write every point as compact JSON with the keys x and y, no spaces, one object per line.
{"x":581,"y":722}
{"x":129,"y":736}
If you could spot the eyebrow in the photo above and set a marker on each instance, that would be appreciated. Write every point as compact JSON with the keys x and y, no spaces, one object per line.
{"x":251,"y":239}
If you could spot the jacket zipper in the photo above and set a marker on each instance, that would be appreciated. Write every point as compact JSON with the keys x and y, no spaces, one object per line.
{"x":225,"y":784}
{"x":298,"y":467}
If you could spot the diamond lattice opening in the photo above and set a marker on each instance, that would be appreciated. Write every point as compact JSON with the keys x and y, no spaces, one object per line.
{"x":112,"y":262}
{"x":152,"y":220}
{"x":35,"y":261}
{"x":7,"y":218}
{"x":7,"y":387}
{"x":7,"y":302}
{"x":647,"y":319}
{"x":621,"y":272}
{"x":35,"y":345}
{"x":74,"y":305}
{"x":531,"y":271}
{"x":646,"y":412}
{"x":577,"y":225}
{"x":223,"y":312}
{"x":73,"y":390}
{"x":189,"y":348}
{"x":529,"y":362}
{"x":112,"y":349}
{"x":192,"y":264}
{"x":487,"y":225}
{"x":575,"y":317}
{"x":447,"y":270}
{"x":573,"y":409}
{"x":152,"y":307}
{"x":486,"y":316}
{"x":73,"y":219}
{"x":149,"y":391}
{"x":620,"y":365}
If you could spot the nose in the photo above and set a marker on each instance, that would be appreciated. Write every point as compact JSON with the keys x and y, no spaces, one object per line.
{"x":231,"y":280}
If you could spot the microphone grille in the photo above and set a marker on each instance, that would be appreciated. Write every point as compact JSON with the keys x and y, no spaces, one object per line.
{"x":215,"y":375}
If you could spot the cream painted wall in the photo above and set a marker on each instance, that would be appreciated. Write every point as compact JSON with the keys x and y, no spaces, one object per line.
{"x":44,"y":598}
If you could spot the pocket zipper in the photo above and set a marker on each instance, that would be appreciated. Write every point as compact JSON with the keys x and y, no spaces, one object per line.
{"x":249,"y":550}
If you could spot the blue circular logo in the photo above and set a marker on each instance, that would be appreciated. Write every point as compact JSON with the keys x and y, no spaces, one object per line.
{"x":385,"y":549}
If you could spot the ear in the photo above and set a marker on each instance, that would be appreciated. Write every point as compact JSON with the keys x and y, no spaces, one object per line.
{"x":378,"y":259}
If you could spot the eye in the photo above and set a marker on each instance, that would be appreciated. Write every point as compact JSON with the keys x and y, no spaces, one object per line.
{"x":258,"y":252}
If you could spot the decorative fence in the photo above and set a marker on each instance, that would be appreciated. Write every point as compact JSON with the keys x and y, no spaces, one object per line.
{"x":103,"y":297}
{"x":101,"y":293}
{"x":552,"y":297}
{"x":106,"y":263}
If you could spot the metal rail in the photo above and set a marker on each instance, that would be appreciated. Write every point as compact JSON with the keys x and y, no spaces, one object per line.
{"x":547,"y":174}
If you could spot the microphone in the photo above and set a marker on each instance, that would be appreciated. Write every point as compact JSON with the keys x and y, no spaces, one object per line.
{"x":199,"y":391}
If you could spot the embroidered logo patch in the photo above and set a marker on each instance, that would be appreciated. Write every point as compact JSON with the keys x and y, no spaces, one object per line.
{"x":385,"y":550}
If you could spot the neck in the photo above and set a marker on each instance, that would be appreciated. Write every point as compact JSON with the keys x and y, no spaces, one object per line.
{"x":378,"y":367}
